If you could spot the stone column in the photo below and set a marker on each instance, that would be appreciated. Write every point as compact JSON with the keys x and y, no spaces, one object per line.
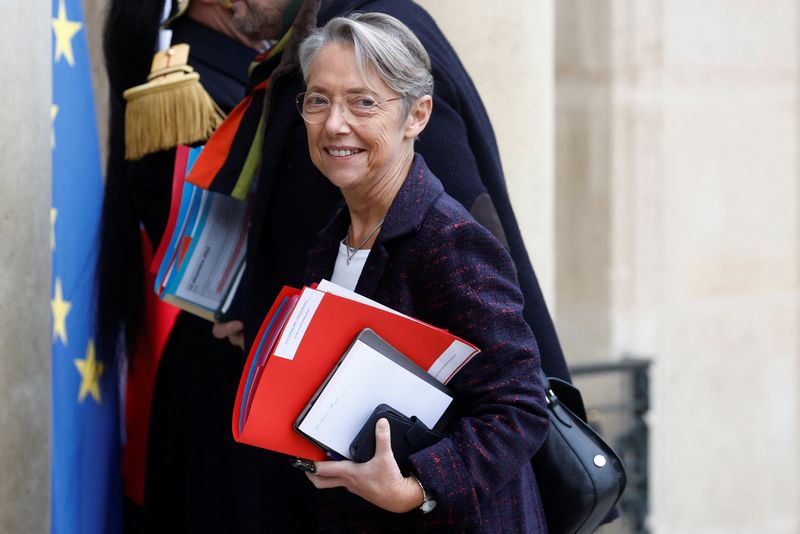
{"x":583,"y":167}
{"x":726,"y":450}
{"x":507,"y":48}
{"x":679,"y":238}
{"x":25,"y":332}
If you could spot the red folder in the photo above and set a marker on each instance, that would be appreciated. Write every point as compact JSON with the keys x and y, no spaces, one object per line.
{"x":282,"y":387}
{"x":179,"y":172}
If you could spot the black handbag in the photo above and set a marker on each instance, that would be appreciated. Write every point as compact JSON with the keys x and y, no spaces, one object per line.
{"x":579,"y":475}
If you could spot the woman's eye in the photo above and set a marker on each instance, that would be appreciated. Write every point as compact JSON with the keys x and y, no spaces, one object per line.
{"x":316,"y":101}
{"x":363,"y":103}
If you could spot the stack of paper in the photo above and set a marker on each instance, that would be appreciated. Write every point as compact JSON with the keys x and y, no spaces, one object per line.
{"x":371,"y":373}
{"x":200,"y":260}
{"x":300,"y":342}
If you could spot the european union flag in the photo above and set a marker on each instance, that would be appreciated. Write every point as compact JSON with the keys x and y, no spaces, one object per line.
{"x":86,"y":479}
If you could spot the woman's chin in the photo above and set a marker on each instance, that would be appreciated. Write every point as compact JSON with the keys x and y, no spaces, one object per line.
{"x":343,"y":180}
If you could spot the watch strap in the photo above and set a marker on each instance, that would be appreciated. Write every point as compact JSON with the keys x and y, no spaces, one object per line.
{"x":428,"y":502}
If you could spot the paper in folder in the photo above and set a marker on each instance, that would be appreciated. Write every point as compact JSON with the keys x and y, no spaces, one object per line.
{"x":302,"y":339}
{"x":200,"y":260}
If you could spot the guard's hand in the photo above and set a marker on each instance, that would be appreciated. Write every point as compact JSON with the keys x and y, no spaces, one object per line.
{"x":233,"y":330}
{"x":378,"y":481}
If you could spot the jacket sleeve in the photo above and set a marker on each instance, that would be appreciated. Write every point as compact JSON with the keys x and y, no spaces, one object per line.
{"x":470,"y":288}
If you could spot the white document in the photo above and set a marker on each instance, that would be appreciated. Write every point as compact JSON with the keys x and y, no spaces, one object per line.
{"x":335,"y":289}
{"x":365,"y":379}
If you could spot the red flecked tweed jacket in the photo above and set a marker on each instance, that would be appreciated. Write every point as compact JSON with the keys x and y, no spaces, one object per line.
{"x":432,"y":261}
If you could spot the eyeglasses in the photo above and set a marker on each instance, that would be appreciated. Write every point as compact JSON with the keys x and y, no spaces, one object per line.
{"x":356,"y":109}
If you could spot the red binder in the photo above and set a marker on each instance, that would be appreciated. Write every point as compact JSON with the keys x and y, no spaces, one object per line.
{"x":275,"y":389}
{"x":179,"y":172}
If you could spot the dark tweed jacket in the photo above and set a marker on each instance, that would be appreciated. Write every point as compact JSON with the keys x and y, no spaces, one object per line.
{"x":432,"y":260}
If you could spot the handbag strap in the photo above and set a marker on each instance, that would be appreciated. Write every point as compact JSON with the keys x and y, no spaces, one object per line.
{"x":549,"y":394}
{"x":568,"y":395}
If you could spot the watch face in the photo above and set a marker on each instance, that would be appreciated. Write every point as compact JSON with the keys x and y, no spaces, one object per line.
{"x":428,"y":505}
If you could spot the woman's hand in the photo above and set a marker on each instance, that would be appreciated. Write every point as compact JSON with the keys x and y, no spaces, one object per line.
{"x":378,"y":481}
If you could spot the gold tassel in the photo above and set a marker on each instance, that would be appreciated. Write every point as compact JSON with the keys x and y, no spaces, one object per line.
{"x":172,"y":108}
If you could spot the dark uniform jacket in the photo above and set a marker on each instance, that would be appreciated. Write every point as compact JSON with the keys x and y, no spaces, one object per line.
{"x":197,"y":479}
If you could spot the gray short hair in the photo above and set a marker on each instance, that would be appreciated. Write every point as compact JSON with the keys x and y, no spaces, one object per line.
{"x":379,"y":41}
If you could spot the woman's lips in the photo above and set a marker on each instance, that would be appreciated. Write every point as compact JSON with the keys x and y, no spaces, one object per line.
{"x":343,"y":152}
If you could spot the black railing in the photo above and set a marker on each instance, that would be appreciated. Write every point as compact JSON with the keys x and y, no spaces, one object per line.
{"x":617,"y":398}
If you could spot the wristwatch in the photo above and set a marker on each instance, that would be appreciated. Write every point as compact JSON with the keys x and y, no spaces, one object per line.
{"x":428,"y":502}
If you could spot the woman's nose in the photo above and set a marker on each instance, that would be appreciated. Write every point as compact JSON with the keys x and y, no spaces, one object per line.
{"x":337,"y":119}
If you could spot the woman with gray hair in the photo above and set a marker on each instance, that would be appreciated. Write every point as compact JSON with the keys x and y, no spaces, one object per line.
{"x":400,"y":240}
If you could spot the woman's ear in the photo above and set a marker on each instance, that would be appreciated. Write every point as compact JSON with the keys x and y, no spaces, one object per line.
{"x":418,"y":116}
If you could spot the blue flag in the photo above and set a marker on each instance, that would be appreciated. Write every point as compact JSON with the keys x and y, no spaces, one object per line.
{"x":86,"y":476}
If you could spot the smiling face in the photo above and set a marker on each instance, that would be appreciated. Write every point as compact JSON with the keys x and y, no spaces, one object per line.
{"x":376,"y":152}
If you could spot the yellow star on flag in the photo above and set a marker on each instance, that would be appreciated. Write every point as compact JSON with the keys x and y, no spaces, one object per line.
{"x":91,"y":370}
{"x":53,"y":115}
{"x":60,"y":309}
{"x":53,"y":217}
{"x":65,"y":30}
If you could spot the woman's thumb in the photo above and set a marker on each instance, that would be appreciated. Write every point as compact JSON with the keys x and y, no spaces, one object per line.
{"x":383,"y":437}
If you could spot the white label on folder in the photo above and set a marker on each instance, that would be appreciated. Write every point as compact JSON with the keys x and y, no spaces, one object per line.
{"x":451,"y":360}
{"x":365,"y":379}
{"x":298,"y":323}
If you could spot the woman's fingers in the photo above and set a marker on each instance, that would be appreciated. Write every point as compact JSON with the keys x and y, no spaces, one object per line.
{"x":333,"y":474}
{"x":378,"y":481}
{"x":322,"y":482}
{"x":334,"y":468}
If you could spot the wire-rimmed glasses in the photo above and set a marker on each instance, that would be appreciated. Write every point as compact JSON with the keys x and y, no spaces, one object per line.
{"x":356,"y":109}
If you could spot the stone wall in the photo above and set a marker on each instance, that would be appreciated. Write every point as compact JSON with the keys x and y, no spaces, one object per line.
{"x":25,"y":333}
{"x":678,"y":237}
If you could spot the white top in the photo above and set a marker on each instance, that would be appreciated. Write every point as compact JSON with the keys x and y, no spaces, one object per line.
{"x":347,"y":275}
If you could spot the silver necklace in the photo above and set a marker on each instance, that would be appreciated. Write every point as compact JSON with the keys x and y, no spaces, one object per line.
{"x":351,"y":251}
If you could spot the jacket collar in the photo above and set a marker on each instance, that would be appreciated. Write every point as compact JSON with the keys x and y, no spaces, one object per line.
{"x":412,"y":202}
{"x":405,"y":216}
